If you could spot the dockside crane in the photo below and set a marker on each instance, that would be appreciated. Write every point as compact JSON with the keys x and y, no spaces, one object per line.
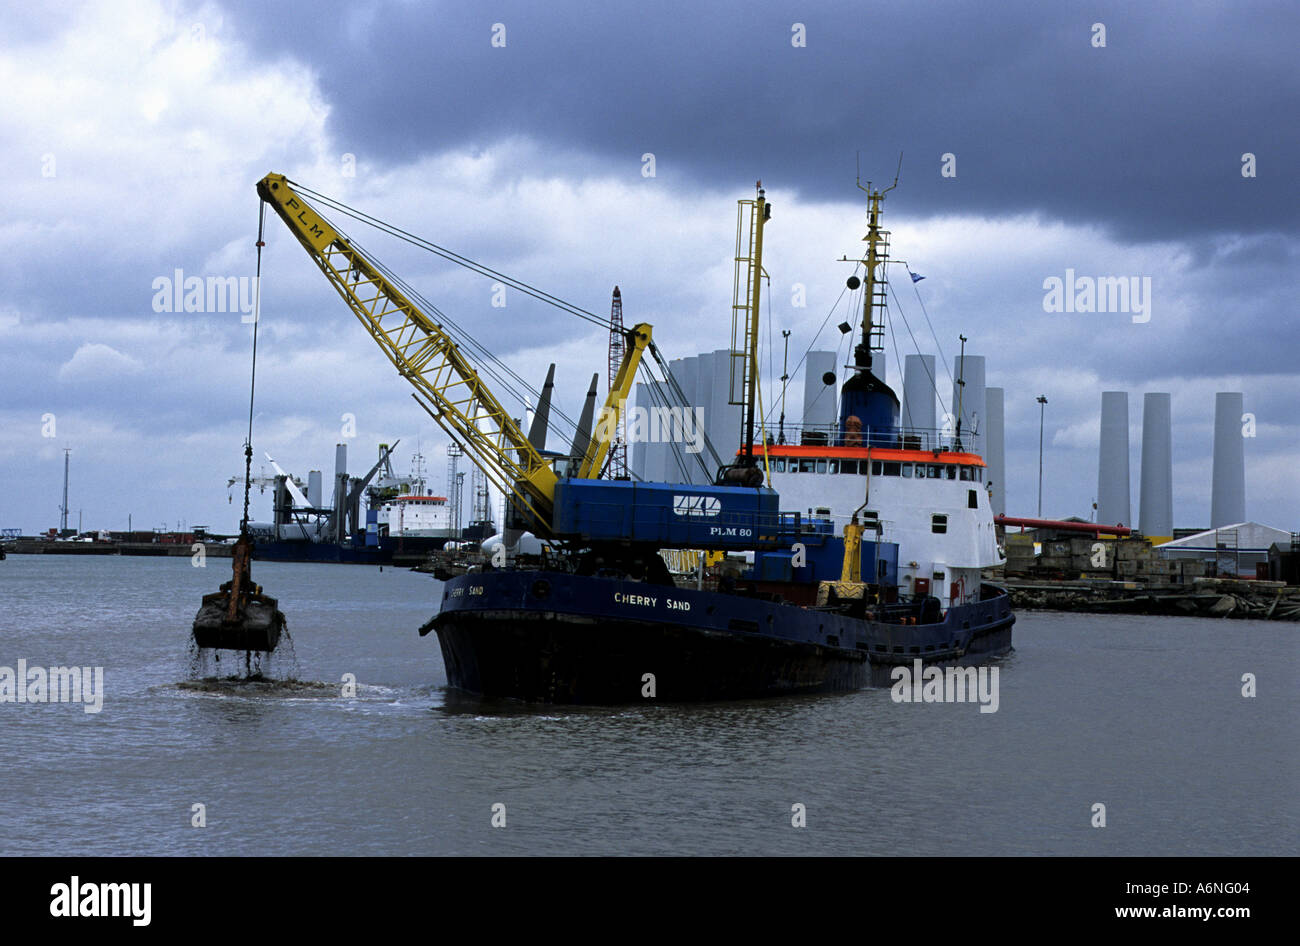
{"x":447,"y":383}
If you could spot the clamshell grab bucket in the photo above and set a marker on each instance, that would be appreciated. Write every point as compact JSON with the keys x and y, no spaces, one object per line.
{"x":239,"y":616}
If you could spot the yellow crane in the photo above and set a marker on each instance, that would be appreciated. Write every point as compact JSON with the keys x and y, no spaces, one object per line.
{"x":446,"y":383}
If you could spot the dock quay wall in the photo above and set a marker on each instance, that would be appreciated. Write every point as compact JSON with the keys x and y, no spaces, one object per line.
{"x":175,"y":549}
{"x":1203,"y":597}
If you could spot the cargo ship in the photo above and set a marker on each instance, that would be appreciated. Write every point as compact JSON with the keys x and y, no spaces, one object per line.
{"x":818,"y":609}
{"x":401,"y":522}
{"x":877,"y":565}
{"x":606,"y":634}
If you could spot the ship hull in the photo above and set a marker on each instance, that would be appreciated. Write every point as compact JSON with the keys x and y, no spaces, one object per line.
{"x":412,"y":549}
{"x":560,"y":638}
{"x":321,"y":552}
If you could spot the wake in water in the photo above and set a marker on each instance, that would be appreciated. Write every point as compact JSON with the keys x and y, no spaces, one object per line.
{"x":261,"y":686}
{"x":263,"y":674}
{"x":280,"y":666}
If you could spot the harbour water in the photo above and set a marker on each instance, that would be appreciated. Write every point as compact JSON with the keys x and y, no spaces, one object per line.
{"x":1143,"y":715}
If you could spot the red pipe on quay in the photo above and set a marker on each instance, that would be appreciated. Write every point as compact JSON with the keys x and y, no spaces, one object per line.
{"x":1091,"y":528}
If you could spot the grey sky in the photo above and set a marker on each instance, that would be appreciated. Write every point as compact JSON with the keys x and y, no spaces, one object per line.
{"x":1124,"y":161}
{"x":1140,"y":137}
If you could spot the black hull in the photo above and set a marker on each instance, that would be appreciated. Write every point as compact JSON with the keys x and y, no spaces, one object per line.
{"x":413,"y":548}
{"x":546,"y":651}
{"x":580,"y":661}
{"x":321,"y":552}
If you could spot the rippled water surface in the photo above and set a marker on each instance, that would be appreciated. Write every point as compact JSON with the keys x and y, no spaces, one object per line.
{"x":1143,"y":715}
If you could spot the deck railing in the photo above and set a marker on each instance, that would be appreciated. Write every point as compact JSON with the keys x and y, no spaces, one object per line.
{"x":901,"y":438}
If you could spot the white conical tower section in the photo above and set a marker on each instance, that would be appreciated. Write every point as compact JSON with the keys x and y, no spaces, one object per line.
{"x":995,"y":449}
{"x":1228,"y":492}
{"x":820,"y":400}
{"x":1156,"y":500}
{"x":918,"y":395}
{"x":1112,"y":465}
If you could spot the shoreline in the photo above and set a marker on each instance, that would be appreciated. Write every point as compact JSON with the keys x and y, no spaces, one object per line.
{"x":1205,"y":597}
{"x":142,"y":549}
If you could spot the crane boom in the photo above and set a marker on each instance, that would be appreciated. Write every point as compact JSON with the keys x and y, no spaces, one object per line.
{"x":636,"y":341}
{"x":446,"y":383}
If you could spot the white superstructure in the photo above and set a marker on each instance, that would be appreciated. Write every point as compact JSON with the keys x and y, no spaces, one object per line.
{"x":934,"y":504}
{"x":415,"y":517}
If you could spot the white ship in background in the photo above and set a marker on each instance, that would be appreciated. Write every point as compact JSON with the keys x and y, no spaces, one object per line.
{"x":402,"y":520}
{"x":406,"y":518}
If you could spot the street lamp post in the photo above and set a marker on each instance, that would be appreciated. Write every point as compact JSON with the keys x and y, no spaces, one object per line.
{"x":1042,"y":407}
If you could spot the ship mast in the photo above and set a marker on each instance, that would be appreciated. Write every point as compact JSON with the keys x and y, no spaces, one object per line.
{"x":750,"y":218}
{"x":876,"y":282}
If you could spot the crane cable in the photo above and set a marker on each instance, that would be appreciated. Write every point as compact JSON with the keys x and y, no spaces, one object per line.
{"x":252,"y":381}
{"x":675,"y":390}
{"x":506,"y":378}
{"x":520,"y":285}
{"x":454,"y":257}
{"x":915,"y":344}
{"x":802,"y":358}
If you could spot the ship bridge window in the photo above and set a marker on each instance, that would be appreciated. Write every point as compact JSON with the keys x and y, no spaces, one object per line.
{"x":849,"y":466}
{"x":892,"y":469}
{"x":907,"y":470}
{"x":939,"y":523}
{"x":920,"y":471}
{"x":979,"y":474}
{"x":965,"y":473}
{"x":952,"y":472}
{"x":806,"y":465}
{"x":778,"y":465}
{"x":875,"y":467}
{"x":936,"y":471}
{"x":832,"y":466}
{"x":821,"y":466}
